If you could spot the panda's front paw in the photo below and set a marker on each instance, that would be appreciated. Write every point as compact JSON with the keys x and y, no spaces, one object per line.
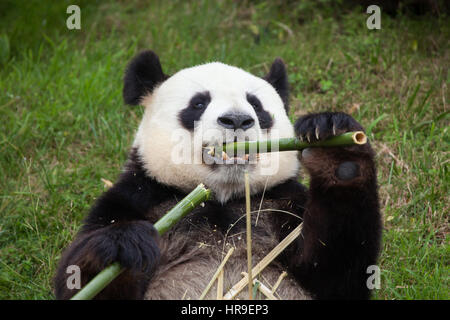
{"x":321,"y":126}
{"x":338,"y":165}
{"x":133,"y":244}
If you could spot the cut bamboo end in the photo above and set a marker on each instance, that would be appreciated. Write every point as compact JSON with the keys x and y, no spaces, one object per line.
{"x":186,"y":205}
{"x":359,"y":137}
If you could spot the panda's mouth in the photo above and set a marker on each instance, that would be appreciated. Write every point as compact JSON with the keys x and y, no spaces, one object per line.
{"x":225,"y":159}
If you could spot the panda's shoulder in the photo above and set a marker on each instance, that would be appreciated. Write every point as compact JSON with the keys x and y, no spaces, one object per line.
{"x":290,"y":188}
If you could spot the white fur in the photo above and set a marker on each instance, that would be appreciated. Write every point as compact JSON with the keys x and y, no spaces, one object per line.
{"x":228,"y":87}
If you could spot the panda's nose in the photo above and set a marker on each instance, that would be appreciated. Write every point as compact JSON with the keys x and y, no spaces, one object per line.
{"x":236,"y":121}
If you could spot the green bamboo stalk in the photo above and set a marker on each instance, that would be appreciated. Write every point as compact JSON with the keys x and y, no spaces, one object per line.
{"x":288,"y":144}
{"x":190,"y":202}
{"x":98,"y":283}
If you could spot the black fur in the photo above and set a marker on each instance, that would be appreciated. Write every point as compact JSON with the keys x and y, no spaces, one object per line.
{"x":342,"y":224}
{"x":278,"y":78}
{"x":118,"y":229}
{"x":197,"y":105}
{"x":264,"y":118}
{"x":142,"y":75}
{"x":341,"y":238}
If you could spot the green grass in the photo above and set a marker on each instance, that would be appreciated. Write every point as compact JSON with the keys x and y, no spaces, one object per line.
{"x":64,"y":125}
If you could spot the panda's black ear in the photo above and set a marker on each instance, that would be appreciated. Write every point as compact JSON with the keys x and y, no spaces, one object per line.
{"x":142,"y":75}
{"x":278,"y":78}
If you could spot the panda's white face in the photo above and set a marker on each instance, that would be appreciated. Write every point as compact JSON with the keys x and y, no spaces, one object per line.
{"x":208,"y":105}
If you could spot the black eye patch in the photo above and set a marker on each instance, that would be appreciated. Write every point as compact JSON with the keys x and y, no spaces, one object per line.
{"x":196,"y":106}
{"x":264,"y":118}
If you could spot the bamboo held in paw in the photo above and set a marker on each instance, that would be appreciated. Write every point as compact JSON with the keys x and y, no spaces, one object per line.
{"x":289,"y":144}
{"x":198,"y":195}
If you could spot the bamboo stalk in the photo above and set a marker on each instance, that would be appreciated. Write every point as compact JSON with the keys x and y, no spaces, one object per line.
{"x":266,"y":291}
{"x":98,"y":283}
{"x":105,"y":277}
{"x":288,"y":144}
{"x":219,"y":269}
{"x":220,"y":285}
{"x":280,"y":278}
{"x":234,"y":291}
{"x":249,"y":234}
{"x":190,"y":202}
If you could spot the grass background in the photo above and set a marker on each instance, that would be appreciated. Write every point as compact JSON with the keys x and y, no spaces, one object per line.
{"x":64,"y":125}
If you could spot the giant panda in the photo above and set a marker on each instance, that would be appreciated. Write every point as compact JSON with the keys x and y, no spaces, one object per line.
{"x":339,"y":209}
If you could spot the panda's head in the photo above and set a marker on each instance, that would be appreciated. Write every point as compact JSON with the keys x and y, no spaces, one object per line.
{"x":207,"y":105}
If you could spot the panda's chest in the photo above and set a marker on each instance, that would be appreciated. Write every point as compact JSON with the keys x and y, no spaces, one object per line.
{"x":193,"y":250}
{"x":216,"y":225}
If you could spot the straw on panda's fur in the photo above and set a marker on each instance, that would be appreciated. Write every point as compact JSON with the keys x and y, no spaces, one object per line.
{"x":262,"y":288}
{"x":219,"y":269}
{"x":220,"y":285}
{"x":234,"y":291}
{"x":280,"y":278}
{"x":218,"y":275}
{"x":249,"y":234}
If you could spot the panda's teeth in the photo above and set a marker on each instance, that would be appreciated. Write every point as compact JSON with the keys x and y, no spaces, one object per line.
{"x":224,"y":156}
